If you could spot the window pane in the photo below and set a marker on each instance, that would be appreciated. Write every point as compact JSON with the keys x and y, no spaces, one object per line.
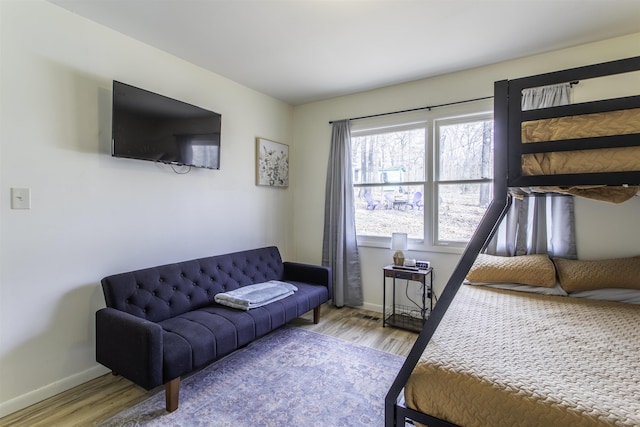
{"x":389,"y":157}
{"x":381,"y":211}
{"x":466,"y":150}
{"x":460,"y":208}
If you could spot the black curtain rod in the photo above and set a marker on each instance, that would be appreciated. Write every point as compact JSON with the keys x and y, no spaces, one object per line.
{"x":415,"y":109}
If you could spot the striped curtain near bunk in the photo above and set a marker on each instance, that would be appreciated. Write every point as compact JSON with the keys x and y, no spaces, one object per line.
{"x":539,"y":223}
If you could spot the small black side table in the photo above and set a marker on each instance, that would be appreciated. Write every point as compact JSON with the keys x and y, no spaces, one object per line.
{"x":404,"y":317}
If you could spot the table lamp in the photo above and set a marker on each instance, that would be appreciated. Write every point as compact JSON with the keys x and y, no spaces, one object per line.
{"x":399,"y":244}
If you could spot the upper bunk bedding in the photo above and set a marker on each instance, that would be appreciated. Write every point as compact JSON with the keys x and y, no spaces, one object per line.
{"x":581,"y":146}
{"x":600,"y":160}
{"x":625,"y":122}
{"x":506,"y":358}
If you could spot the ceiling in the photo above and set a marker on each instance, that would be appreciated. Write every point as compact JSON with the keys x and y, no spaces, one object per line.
{"x":306,"y":50}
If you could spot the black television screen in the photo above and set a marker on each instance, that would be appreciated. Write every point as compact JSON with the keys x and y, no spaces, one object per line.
{"x":149,"y":126}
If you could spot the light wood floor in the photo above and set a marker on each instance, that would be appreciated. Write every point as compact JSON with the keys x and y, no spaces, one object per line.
{"x":100,"y":399}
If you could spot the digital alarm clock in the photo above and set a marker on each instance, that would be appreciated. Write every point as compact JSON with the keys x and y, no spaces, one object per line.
{"x":423,"y":264}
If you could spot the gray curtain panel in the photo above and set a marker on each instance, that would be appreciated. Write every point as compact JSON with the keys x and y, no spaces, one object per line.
{"x":546,"y":96}
{"x":339,"y":245}
{"x":539,"y":223}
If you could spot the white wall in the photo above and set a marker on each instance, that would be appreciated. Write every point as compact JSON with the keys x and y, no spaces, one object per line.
{"x":94,"y":215}
{"x":596,"y":238}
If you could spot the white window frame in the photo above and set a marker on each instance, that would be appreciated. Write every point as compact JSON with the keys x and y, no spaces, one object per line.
{"x":477,"y":110}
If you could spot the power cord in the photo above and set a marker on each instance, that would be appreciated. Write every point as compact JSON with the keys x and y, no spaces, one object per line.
{"x":423,"y":310}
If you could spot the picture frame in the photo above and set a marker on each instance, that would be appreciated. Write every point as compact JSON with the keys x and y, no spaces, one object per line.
{"x":272,"y":163}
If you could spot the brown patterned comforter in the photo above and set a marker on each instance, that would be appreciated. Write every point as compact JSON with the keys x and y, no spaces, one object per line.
{"x":504,"y":358}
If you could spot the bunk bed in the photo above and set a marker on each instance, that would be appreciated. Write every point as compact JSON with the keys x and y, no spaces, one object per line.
{"x":550,"y":149}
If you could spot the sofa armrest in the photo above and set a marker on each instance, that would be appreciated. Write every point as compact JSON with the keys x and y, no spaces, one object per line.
{"x":309,"y":273}
{"x":129,"y":346}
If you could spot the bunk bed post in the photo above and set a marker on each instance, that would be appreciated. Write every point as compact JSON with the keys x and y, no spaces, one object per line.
{"x":486,"y":229}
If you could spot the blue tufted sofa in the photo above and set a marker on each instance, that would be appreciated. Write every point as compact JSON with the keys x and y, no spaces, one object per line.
{"x":162,"y":322}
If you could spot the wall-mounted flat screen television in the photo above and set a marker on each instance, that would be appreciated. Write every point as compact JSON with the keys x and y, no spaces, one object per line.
{"x":149,"y":126}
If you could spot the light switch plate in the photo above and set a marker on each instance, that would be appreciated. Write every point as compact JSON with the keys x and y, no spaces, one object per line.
{"x":20,"y":198}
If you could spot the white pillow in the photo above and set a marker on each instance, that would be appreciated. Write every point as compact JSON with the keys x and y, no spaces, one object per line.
{"x":556,"y":290}
{"x":630,"y":296}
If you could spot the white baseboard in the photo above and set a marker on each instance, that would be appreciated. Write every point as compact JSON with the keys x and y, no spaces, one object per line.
{"x":372,"y":307}
{"x":38,"y":395}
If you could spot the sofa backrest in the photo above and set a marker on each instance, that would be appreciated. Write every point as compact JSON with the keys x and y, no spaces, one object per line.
{"x":159,"y":293}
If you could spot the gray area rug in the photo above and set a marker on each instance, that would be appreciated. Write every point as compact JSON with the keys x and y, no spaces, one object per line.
{"x":291,"y":377}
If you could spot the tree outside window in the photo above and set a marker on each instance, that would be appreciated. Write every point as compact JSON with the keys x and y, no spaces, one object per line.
{"x":431,"y":180}
{"x":464,"y":176}
{"x":389,"y":175}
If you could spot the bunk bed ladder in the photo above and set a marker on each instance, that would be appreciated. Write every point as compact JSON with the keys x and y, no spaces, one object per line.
{"x":395,"y":414}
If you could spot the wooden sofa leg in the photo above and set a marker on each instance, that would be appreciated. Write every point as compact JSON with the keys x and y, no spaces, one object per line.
{"x":172,"y":394}
{"x":316,"y":315}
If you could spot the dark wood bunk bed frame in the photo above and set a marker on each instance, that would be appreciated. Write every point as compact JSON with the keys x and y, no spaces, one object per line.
{"x":508,"y":149}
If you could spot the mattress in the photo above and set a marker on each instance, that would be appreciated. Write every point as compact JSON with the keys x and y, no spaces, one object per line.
{"x":506,"y":358}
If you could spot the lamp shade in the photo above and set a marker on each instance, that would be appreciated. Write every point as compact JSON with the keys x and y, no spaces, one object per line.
{"x":399,"y":241}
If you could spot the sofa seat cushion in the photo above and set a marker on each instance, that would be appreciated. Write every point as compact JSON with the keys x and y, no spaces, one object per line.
{"x":196,"y":338}
{"x":308,"y":297}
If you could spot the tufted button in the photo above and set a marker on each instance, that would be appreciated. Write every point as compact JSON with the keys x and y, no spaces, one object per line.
{"x":137,"y":285}
{"x":161,"y":280}
{"x":127,"y":301}
{"x":154,"y":293}
{"x":175,"y":288}
{"x":183,"y":275}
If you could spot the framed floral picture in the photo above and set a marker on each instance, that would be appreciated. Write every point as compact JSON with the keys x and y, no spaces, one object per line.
{"x":272,"y":163}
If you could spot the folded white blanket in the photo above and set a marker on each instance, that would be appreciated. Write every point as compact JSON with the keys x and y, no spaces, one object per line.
{"x":252,"y":296}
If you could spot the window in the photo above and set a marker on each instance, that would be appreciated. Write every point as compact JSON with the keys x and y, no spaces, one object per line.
{"x":389,"y":174}
{"x":431,"y":178}
{"x":463,"y":177}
